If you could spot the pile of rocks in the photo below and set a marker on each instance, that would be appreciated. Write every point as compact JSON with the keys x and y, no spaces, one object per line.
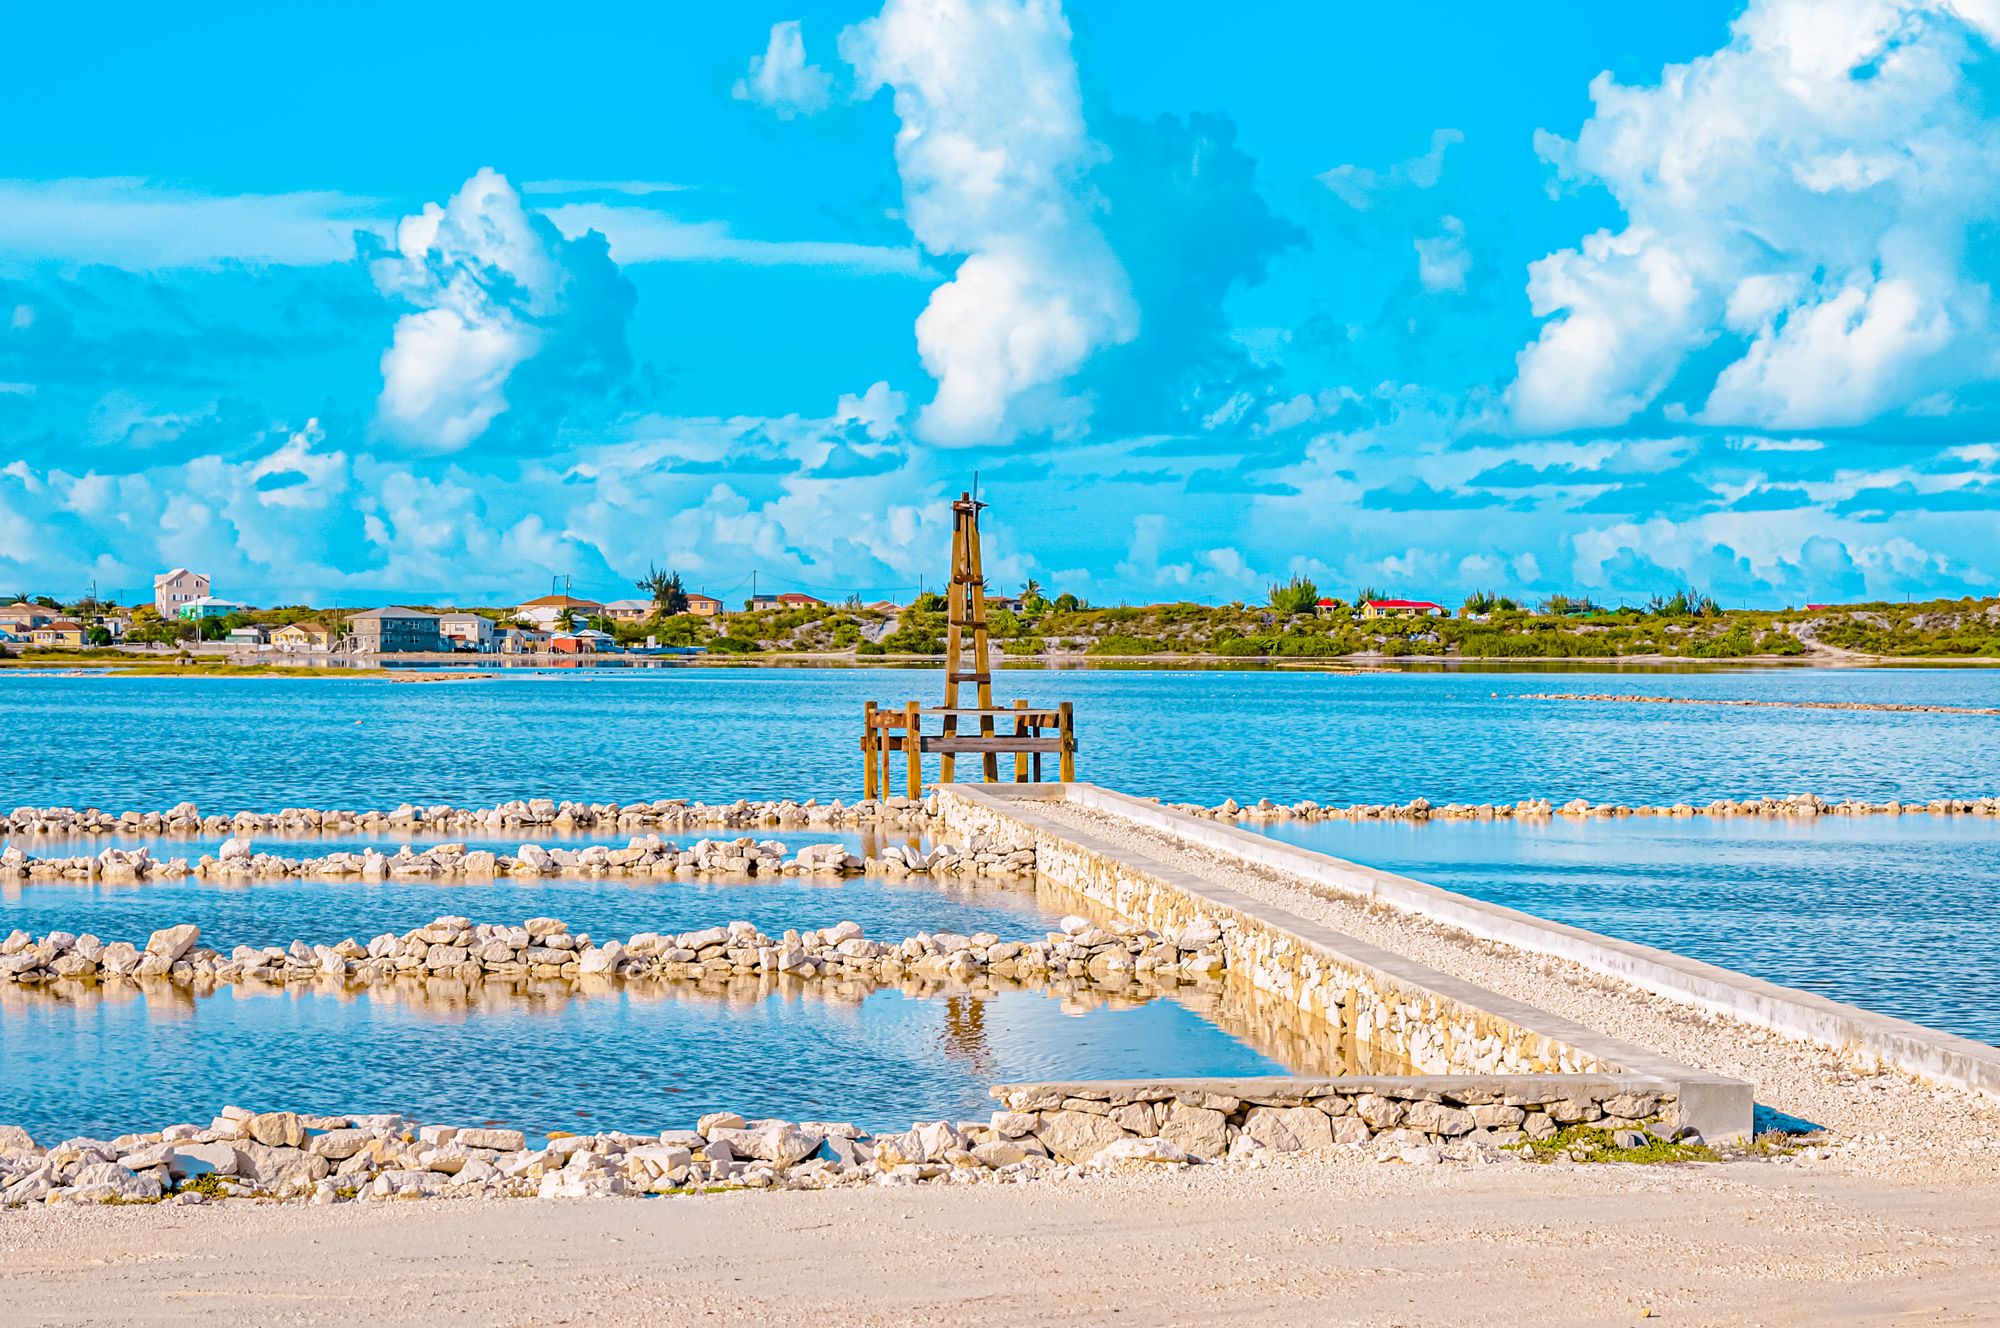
{"x":1043,"y":1132}
{"x":647,"y":856}
{"x":1803,"y":805}
{"x":546,"y":948}
{"x":1212,"y":1119}
{"x":665,"y":814}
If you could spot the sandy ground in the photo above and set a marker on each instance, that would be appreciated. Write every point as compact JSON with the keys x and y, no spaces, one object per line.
{"x":1353,"y":1242}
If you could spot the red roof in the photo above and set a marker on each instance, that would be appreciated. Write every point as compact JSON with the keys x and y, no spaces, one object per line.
{"x":1403,"y":604}
{"x":1324,"y":603}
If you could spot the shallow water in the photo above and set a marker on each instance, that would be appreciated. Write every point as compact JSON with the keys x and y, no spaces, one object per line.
{"x":327,"y":911}
{"x":866,"y":843}
{"x":720,"y":734}
{"x":633,"y":1058}
{"x":1896,"y":914}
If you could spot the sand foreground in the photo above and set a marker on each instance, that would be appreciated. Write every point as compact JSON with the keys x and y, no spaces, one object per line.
{"x":1346,"y":1241}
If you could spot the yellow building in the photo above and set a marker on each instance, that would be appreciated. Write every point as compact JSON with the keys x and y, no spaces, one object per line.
{"x":302,"y":636}
{"x":1401,"y":608}
{"x":61,"y":634}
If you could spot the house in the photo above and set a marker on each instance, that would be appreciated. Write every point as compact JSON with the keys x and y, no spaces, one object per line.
{"x":23,"y":618}
{"x":556,"y":611}
{"x":589,"y":641}
{"x":522,"y":641}
{"x":794,"y":600}
{"x":1011,"y":603}
{"x":1401,"y":608}
{"x":61,"y":634}
{"x":250,"y":635}
{"x":1324,"y":607}
{"x":303,"y":636}
{"x":395,"y":631}
{"x":206,"y":607}
{"x":629,"y":610}
{"x":175,"y":588}
{"x":704,"y":606}
{"x":467,"y":631}
{"x":757,"y":603}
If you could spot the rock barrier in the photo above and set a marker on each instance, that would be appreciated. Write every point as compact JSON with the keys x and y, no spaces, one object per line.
{"x":1042,"y":1132}
{"x":1639,"y":699}
{"x":649,"y":856}
{"x":669,"y":814}
{"x":1796,"y":806}
{"x":454,"y":947}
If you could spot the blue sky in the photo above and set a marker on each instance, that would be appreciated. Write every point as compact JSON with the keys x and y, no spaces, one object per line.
{"x":438,"y":302}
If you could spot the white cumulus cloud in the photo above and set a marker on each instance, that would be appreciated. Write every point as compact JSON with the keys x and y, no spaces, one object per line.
{"x":993,"y":150}
{"x":494,"y":285}
{"x":781,"y":80}
{"x":1807,"y":199}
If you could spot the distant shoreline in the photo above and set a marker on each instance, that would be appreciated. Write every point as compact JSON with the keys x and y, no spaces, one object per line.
{"x":438,"y":667}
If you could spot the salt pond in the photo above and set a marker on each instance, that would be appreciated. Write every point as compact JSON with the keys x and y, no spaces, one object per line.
{"x":641,"y":1058}
{"x":325,"y":911}
{"x":617,"y":735}
{"x":1896,"y":914}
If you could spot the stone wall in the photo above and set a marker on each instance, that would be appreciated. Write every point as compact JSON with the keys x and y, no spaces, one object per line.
{"x":1205,"y":1118}
{"x":1430,"y":1031}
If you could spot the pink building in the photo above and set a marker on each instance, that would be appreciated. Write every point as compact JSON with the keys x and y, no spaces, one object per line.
{"x":178,"y":587}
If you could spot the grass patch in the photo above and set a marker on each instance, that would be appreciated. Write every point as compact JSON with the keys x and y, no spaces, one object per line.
{"x":208,"y":1185}
{"x":1587,"y":1143}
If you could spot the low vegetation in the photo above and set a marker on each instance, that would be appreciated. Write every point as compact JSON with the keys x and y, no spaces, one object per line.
{"x":1299,"y":621}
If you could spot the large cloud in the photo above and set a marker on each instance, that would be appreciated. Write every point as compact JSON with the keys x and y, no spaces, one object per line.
{"x":508,"y":313}
{"x":993,"y":153}
{"x":1807,"y":200}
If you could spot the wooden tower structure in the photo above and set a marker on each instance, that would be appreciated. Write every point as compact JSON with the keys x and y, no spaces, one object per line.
{"x":1034,"y":732}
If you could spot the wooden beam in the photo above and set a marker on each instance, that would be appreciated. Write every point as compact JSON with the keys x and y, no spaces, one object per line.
{"x":868,"y":737}
{"x":969,"y":744}
{"x":1068,"y":737}
{"x":914,"y":750}
{"x":1021,"y":731}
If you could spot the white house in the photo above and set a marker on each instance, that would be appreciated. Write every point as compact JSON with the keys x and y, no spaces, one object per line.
{"x":178,"y":587}
{"x":467,"y":631}
{"x":556,"y":612}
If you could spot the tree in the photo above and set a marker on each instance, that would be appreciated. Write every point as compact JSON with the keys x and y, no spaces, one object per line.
{"x":1366,"y":593}
{"x":1479,"y":603}
{"x":1067,"y":603}
{"x":1684,"y":603}
{"x":1298,"y":595}
{"x":669,"y":594}
{"x":1032,"y":598}
{"x":99,"y":635}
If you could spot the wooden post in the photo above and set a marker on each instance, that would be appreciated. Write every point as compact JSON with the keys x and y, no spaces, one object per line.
{"x":982,"y":663}
{"x":1020,"y":731}
{"x":882,"y":746}
{"x":1068,"y":731}
{"x":913,"y":747}
{"x":868,"y":736}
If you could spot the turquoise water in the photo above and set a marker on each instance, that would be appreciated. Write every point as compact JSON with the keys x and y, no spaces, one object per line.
{"x":327,"y":911}
{"x":265,"y":743}
{"x":1896,"y":914}
{"x":633,"y":1059}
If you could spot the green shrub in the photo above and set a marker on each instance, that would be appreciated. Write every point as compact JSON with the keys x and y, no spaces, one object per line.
{"x":1025,"y":645}
{"x":1119,"y":643}
{"x":732,"y":645}
{"x":1296,"y":596}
